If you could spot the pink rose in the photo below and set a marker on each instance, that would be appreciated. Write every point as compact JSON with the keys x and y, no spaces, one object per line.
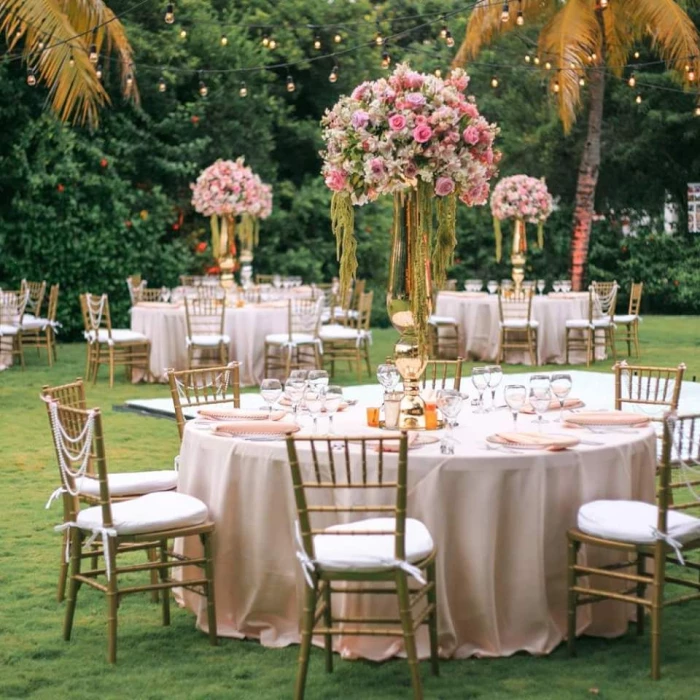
{"x":470,"y":110}
{"x":444,"y":186}
{"x":421,"y":119}
{"x":376,"y":165}
{"x":335,"y":180}
{"x":411,"y":169}
{"x":413,"y":80}
{"x":415,"y":99}
{"x":422,"y":133}
{"x":397,"y":122}
{"x":471,"y":135}
{"x":360,"y":118}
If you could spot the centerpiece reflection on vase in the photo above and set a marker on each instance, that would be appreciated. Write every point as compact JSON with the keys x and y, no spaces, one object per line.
{"x":421,"y":139}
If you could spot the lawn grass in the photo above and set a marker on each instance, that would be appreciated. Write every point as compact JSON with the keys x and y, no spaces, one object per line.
{"x":177,"y":662}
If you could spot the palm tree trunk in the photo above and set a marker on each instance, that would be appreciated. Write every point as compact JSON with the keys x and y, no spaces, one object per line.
{"x":587,"y":179}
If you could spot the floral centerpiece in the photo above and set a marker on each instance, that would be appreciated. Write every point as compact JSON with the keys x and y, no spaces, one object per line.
{"x":227,"y":190}
{"x":419,"y":138}
{"x":523,"y":199}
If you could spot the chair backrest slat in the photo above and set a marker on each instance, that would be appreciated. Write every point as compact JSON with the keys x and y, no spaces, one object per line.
{"x":438,"y":372}
{"x":648,"y":386}
{"x":35,"y":300}
{"x":635,"y":298}
{"x":515,"y":305}
{"x":679,"y":473}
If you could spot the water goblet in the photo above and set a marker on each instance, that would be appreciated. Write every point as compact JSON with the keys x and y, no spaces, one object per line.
{"x":540,"y":400}
{"x":480,"y":380}
{"x":561,"y":387}
{"x":540,"y":381}
{"x":315,"y":397}
{"x":388,"y":376}
{"x":294,"y":389}
{"x":334,"y":397}
{"x":515,"y":396}
{"x":318,"y":378}
{"x":165,"y":294}
{"x":495,"y":377}
{"x":556,"y":286}
{"x":541,"y":284}
{"x":270,"y":390}
{"x":299,"y":374}
{"x":492,"y":286}
{"x":449,"y":401}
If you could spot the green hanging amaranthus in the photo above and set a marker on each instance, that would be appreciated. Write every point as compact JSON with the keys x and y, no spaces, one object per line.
{"x":343,"y":224}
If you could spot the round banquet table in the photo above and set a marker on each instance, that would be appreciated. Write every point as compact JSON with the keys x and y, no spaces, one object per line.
{"x":166,"y":327}
{"x":477,"y":316}
{"x":498,"y":520}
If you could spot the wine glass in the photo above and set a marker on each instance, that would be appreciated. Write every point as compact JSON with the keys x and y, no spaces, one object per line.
{"x":165,"y":294}
{"x":515,"y":396}
{"x":270,"y":390}
{"x":540,"y":400}
{"x":294,"y":389}
{"x":480,"y":380}
{"x":566,"y":286}
{"x":541,"y":381}
{"x":334,"y":397}
{"x":318,"y":378}
{"x":492,"y":286}
{"x":556,"y":286}
{"x":315,"y":397}
{"x":449,"y":401}
{"x":495,"y":377}
{"x":388,"y":376}
{"x":299,"y":374}
{"x":541,"y":284}
{"x":561,"y":388}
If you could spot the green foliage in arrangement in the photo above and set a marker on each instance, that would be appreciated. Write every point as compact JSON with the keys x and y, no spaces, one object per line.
{"x":67,"y":217}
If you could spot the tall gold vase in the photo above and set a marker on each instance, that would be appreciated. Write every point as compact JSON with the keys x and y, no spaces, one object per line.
{"x":518,"y":254}
{"x":224,"y":247}
{"x":409,"y":357}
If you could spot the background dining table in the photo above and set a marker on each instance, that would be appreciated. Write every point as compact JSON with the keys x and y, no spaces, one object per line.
{"x":477,"y":315}
{"x":165,"y":325}
{"x":498,"y":519}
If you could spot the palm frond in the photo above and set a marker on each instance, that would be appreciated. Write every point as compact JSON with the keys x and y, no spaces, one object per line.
{"x":55,"y":39}
{"x":621,"y":33}
{"x":569,"y":38}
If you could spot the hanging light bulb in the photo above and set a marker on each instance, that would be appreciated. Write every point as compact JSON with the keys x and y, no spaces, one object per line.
{"x":338,"y":37}
{"x":386,"y":59}
{"x":224,"y":40}
{"x":18,"y":33}
{"x":129,"y":81}
{"x":581,"y":81}
{"x":572,"y":65}
{"x":450,"y":40}
{"x":93,"y":53}
{"x":265,"y":40}
{"x":291,"y":87}
{"x":41,"y":45}
{"x":548,"y":65}
{"x":31,"y":77}
{"x":520,"y":19}
{"x":243,"y":90}
{"x":603,"y":4}
{"x":536,"y":60}
{"x":378,"y":38}
{"x":555,"y":86}
{"x":98,"y":72}
{"x":272,"y":45}
{"x":333,"y":77}
{"x":528,"y":58}
{"x":697,"y":111}
{"x":443,"y":31}
{"x":203,"y":89}
{"x":636,"y":54}
{"x":438,"y":73}
{"x":691,"y":75}
{"x":505,"y":12}
{"x":638,"y":99}
{"x":494,"y":82}
{"x":71,"y":61}
{"x":169,"y":13}
{"x":632,"y":81}
{"x":183,"y":34}
{"x":162,"y":85}
{"x":317,"y":42}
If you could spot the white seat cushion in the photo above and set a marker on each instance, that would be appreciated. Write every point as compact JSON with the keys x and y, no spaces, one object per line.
{"x":370,"y":552}
{"x":519,"y":323}
{"x":8,"y":330}
{"x":132,"y":483}
{"x":633,"y":521}
{"x":283,"y":338}
{"x":336,"y":332}
{"x":435,"y":320}
{"x":602,"y":322}
{"x":119,"y":335}
{"x":345,"y":313}
{"x":578,"y":323}
{"x":209,"y":340}
{"x":625,"y":318}
{"x":155,"y":511}
{"x":30,"y":323}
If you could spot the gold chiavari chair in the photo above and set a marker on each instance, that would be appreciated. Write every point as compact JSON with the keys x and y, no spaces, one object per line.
{"x":443,"y":331}
{"x":122,"y":485}
{"x":584,"y":334}
{"x":123,"y":346}
{"x":12,"y":306}
{"x":147,"y":522}
{"x":350,"y":342}
{"x":35,"y":301}
{"x":301,"y":345}
{"x":361,"y":551}
{"x":135,"y":285}
{"x":630,"y":320}
{"x":648,"y":387}
{"x":40,"y":332}
{"x":205,"y":317}
{"x":211,"y":291}
{"x":518,"y":330}
{"x":208,"y":385}
{"x":651,"y":537}
{"x":149,"y":295}
{"x":264,"y":279}
{"x":192,"y":280}
{"x":345,"y":306}
{"x":438,"y":373}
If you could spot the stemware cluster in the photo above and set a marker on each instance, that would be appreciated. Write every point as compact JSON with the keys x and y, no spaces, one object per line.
{"x":483,"y":378}
{"x":542,"y":390}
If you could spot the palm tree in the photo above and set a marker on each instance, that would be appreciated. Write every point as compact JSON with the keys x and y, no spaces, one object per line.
{"x":589,"y":37}
{"x":61,"y":44}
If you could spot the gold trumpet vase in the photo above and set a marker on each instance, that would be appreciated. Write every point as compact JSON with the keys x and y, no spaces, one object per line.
{"x":409,"y":357}
{"x":518,"y":254}
{"x":224,"y":247}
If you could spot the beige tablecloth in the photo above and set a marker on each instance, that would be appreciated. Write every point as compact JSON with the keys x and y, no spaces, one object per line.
{"x":166,"y":328}
{"x":478,"y":319}
{"x":498,"y":520}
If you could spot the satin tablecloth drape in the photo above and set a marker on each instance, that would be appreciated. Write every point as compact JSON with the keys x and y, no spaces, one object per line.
{"x":165,"y":326}
{"x":478,"y":319}
{"x":498,"y":520}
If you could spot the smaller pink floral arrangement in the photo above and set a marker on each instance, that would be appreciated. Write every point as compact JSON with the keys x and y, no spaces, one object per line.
{"x":230,"y":188}
{"x":521,"y":197}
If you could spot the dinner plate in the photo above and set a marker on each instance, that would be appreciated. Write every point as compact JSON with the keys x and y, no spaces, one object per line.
{"x":557,"y":444}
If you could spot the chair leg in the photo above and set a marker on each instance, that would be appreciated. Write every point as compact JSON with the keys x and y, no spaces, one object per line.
{"x":96,"y":352}
{"x":152,"y":556}
{"x":590,"y":346}
{"x":63,"y":570}
{"x":657,"y":604}
{"x":367,"y":360}
{"x":49,"y":347}
{"x":432,"y":620}
{"x":636,"y":338}
{"x":211,"y":598}
{"x":328,"y":622}
{"x":641,"y":588}
{"x":568,"y":340}
{"x":288,"y":363}
{"x":20,"y":349}
{"x":73,"y":584}
{"x":111,"y":366}
{"x":571,"y":596}
{"x":164,"y":577}
{"x":307,"y":625}
{"x":531,"y":347}
{"x":408,"y":633}
{"x":613,"y":349}
{"x":112,"y":603}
